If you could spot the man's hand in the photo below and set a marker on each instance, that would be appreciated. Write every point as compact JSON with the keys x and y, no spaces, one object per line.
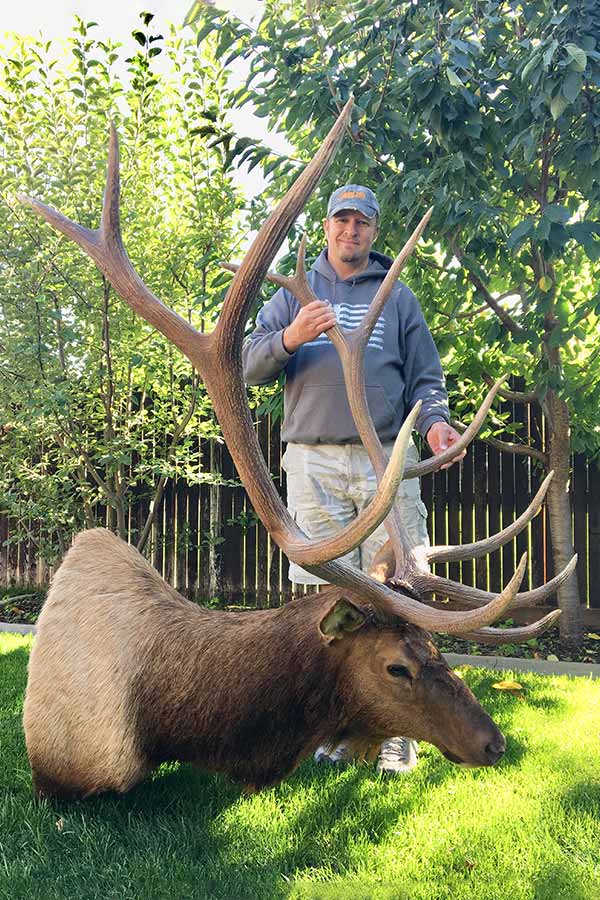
{"x":312,"y":320}
{"x":441,"y":436}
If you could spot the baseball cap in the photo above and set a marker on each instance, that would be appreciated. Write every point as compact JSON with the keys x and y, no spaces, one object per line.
{"x":353,"y":196}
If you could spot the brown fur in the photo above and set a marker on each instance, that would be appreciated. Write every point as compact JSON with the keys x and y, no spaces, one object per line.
{"x":125,"y":673}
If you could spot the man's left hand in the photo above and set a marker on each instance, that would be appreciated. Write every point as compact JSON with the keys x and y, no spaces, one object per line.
{"x":441,"y":436}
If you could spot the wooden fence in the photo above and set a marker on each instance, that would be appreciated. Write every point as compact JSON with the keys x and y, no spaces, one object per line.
{"x":207,"y":543}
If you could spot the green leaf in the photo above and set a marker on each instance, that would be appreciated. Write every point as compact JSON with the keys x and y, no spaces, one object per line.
{"x":558,"y":236}
{"x":549,"y":53}
{"x":519,"y":234}
{"x":205,"y":30}
{"x":530,"y":66}
{"x":543,"y":229}
{"x":556,"y":213}
{"x":545,"y":283}
{"x":395,"y":119}
{"x":140,"y":37}
{"x":578,"y":57}
{"x":194,"y":13}
{"x":558,"y":105}
{"x":572,"y":86}
{"x":454,"y":79}
{"x":592,"y":250}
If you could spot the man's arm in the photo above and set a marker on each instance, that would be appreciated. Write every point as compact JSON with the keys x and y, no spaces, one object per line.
{"x":264,"y":355}
{"x":279,"y":333}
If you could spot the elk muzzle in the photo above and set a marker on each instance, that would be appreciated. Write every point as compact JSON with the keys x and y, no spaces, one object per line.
{"x":462,"y":730}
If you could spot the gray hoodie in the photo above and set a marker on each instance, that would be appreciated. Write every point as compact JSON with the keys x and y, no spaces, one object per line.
{"x":401,"y":361}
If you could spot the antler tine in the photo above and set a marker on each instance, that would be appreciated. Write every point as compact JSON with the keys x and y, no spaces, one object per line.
{"x":105,"y":247}
{"x":419,"y":613}
{"x":496,"y":636}
{"x":110,"y":223}
{"x":435,"y":462}
{"x":476,"y":598}
{"x":249,"y":276}
{"x":296,"y":284}
{"x":299,"y":286}
{"x":316,"y":552}
{"x":451,"y":553}
{"x":385,"y":288}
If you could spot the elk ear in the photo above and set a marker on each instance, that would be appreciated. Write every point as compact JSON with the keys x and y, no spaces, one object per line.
{"x":341,"y":619}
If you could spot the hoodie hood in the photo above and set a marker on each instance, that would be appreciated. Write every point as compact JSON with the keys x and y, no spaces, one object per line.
{"x":379,"y":264}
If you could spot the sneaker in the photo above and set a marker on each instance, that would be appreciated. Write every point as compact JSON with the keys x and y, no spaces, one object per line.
{"x":333,"y":757}
{"x":398,"y":755}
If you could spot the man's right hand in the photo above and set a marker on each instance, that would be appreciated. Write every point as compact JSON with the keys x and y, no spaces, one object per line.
{"x":312,"y":320}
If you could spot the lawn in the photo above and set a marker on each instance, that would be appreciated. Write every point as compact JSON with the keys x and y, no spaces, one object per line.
{"x":529,"y":828}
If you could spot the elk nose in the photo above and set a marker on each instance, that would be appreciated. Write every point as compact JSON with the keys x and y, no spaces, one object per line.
{"x":495,"y":750}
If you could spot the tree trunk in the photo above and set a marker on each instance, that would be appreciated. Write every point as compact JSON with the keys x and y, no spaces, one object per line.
{"x":559,"y":511}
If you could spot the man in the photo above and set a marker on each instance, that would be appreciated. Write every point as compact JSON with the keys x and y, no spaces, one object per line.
{"x":329,"y":475}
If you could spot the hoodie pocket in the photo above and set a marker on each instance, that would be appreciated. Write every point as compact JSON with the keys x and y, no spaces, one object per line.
{"x":322,"y":414}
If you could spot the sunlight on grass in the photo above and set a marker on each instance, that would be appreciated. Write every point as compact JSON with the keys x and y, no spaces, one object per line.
{"x":526,"y":830}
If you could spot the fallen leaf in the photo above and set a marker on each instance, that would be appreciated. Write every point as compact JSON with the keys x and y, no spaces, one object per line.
{"x":470,"y":864}
{"x":552,"y":657}
{"x":60,"y":824}
{"x":508,"y":686}
{"x":593,"y":636}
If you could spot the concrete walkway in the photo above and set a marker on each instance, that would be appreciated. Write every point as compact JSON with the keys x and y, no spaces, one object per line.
{"x":502,"y":663}
{"x":17,"y":629}
{"x":537,"y":666}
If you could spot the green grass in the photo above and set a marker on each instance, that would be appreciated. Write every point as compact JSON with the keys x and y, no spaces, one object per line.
{"x":529,"y":828}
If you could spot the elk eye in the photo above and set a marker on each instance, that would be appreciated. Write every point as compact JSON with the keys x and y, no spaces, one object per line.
{"x":399,"y":671}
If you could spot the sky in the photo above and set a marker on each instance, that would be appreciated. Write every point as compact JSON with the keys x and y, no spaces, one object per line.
{"x":114,"y":17}
{"x":117,"y":19}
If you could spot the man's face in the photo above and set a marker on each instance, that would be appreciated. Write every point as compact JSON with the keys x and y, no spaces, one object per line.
{"x":350,"y":236}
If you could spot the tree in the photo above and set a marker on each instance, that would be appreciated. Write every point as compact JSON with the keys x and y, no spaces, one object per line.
{"x":95,"y":409}
{"x":489,"y":112}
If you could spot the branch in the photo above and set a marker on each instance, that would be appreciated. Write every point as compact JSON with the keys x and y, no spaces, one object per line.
{"x":507,"y":446}
{"x":508,"y":322}
{"x":514,"y":396}
{"x":464,"y":315}
{"x":593,"y":380}
{"x":386,"y":79}
{"x":80,"y":454}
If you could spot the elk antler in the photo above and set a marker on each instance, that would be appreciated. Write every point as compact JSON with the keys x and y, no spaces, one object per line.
{"x":351,"y":345}
{"x":217,"y":357}
{"x":403,"y":564}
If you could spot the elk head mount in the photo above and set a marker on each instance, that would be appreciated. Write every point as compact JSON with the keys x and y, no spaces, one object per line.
{"x":387,"y":601}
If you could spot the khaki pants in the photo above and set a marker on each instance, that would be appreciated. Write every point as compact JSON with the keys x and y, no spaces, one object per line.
{"x":329,"y":484}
